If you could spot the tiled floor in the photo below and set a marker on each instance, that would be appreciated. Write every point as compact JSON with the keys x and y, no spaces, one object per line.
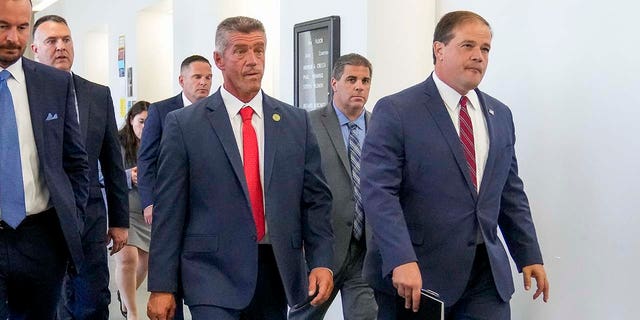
{"x":334,"y":313}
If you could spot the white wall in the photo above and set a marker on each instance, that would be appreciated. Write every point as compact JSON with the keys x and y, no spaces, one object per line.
{"x":353,"y":37}
{"x":568,"y":70}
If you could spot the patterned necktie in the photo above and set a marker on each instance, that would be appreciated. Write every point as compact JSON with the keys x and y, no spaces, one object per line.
{"x":466,"y":138}
{"x":252,"y":169}
{"x":354,"y":159}
{"x":12,"y":206}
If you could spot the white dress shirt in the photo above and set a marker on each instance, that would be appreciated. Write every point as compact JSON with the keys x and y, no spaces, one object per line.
{"x":186,"y":102}
{"x":233,"y":106}
{"x":36,"y":193}
{"x":451,"y":100}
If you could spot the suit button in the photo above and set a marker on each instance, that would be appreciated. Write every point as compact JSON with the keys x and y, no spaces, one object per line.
{"x":350,"y":224}
{"x":471,"y":243}
{"x":254,"y":238}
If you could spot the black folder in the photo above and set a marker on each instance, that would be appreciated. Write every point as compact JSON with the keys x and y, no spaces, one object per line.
{"x":431,"y":307}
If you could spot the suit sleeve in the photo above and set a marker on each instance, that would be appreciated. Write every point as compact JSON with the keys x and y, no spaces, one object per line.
{"x":316,"y":207}
{"x":170,"y":209}
{"x":74,"y":155}
{"x":113,"y":169}
{"x":515,"y":219}
{"x":382,"y":168}
{"x":148,"y":155}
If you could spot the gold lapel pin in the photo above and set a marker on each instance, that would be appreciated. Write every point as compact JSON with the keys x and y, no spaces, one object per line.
{"x":276,"y":117}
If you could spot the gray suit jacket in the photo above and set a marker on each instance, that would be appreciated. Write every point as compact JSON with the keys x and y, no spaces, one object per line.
{"x":337,"y":170}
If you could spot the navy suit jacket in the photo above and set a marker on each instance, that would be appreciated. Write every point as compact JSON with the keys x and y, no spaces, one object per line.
{"x":202,"y":221}
{"x":100,"y":133}
{"x":420,"y":201}
{"x":150,"y":146}
{"x":61,"y":152}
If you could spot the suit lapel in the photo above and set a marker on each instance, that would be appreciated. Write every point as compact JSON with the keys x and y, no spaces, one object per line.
{"x":271,"y":135}
{"x":441,"y":116}
{"x":488,"y":168}
{"x":36,"y":101}
{"x":219,"y":120}
{"x":329,"y":120}
{"x":81,"y":92}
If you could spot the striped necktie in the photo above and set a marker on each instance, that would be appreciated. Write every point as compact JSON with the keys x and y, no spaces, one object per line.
{"x":466,"y":138}
{"x":354,"y":158}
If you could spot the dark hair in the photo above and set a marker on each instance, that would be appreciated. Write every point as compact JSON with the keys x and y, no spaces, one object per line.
{"x":444,"y":29}
{"x":128,"y":138}
{"x":191,"y":59}
{"x":52,"y":18}
{"x":351,"y":59}
{"x":235,"y":24}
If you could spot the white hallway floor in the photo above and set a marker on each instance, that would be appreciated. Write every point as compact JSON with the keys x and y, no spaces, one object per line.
{"x":334,"y":313}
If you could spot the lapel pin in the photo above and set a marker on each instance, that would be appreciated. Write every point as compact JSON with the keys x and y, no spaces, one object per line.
{"x":491,"y":111}
{"x":276,"y":117}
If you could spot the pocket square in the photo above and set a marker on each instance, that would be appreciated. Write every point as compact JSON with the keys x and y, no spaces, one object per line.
{"x":51,"y":116}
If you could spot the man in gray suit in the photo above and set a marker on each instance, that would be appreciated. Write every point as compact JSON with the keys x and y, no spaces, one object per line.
{"x":340,"y":129}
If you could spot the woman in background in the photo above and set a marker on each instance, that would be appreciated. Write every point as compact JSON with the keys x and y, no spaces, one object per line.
{"x":132,"y":261}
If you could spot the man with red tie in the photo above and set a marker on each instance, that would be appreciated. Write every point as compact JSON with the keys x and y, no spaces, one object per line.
{"x":439,"y":176}
{"x":241,"y":209}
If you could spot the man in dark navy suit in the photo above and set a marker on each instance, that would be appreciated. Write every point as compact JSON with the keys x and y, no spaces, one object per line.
{"x":43,"y":159}
{"x":86,"y":295}
{"x":195,"y":80}
{"x":439,"y":176}
{"x":241,"y":210}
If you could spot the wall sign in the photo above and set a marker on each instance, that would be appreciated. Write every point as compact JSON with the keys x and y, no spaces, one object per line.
{"x":316,"y":47}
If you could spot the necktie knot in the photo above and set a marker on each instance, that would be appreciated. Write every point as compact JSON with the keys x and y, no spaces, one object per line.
{"x":352,"y":126}
{"x":4,"y":75}
{"x":246,"y":113}
{"x":463,"y":101}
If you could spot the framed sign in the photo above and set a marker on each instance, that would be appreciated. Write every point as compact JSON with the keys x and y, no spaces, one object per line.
{"x":316,"y":45}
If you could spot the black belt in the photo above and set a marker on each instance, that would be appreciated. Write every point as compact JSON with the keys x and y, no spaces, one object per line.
{"x":33,"y":219}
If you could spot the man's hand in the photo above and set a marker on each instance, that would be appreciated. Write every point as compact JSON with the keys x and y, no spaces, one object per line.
{"x":134,"y":176}
{"x":119,"y":236}
{"x":161,"y":306}
{"x":408,"y":281}
{"x":148,"y":214}
{"x":542,"y":282}
{"x":321,"y":280}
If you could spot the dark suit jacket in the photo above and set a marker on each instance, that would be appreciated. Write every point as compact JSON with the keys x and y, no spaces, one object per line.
{"x":420,"y":201}
{"x":337,"y":169}
{"x":202,"y":221}
{"x":100,"y":133}
{"x":149,"y":146}
{"x":61,"y":153}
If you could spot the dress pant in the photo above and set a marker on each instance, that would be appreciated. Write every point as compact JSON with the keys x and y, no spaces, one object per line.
{"x":33,"y":261}
{"x":269,"y":301}
{"x":358,"y":302}
{"x":86,"y":295}
{"x":480,"y":299}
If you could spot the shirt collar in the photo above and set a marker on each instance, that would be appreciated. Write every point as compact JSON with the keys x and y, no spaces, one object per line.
{"x":234,"y":104}
{"x":185,"y":101}
{"x":451,"y":97}
{"x":17,"y":72}
{"x":343,"y":120}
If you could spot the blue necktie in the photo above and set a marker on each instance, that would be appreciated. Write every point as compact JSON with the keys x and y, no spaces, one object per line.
{"x":12,"y":207}
{"x":354,"y":158}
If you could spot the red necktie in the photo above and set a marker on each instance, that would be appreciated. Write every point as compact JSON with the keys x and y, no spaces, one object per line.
{"x":252,"y":169}
{"x":466,"y":137}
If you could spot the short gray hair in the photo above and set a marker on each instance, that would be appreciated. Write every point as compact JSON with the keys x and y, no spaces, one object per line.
{"x":235,"y":24}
